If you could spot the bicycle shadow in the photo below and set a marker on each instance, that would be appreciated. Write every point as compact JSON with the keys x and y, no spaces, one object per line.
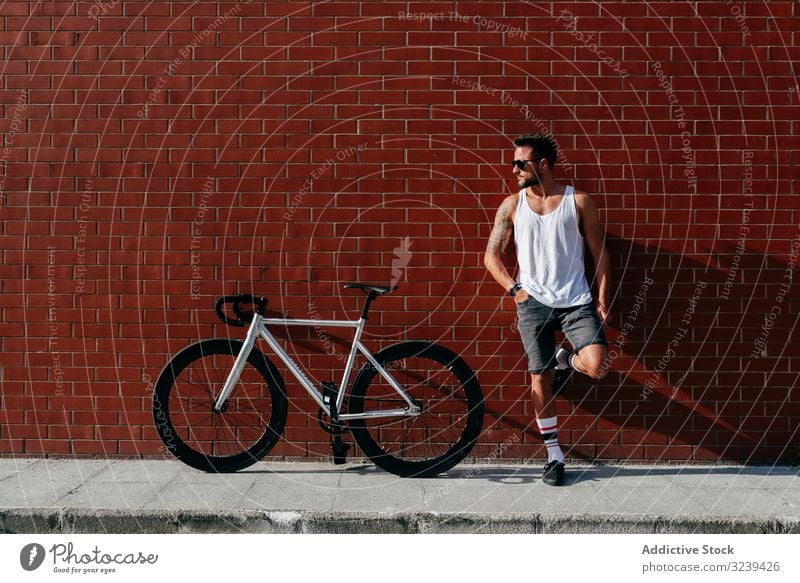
{"x":364,"y":468}
{"x":500,"y":474}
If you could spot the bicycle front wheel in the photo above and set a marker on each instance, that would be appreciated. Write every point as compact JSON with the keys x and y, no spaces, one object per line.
{"x":451,"y":403}
{"x":250,"y":423}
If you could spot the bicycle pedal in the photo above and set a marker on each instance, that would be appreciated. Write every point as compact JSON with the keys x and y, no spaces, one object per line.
{"x":339,"y":451}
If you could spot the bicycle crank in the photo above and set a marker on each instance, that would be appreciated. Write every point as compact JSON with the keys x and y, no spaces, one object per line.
{"x":332,"y":427}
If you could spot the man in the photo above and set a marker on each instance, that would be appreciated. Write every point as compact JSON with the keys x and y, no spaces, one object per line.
{"x":550,"y":222}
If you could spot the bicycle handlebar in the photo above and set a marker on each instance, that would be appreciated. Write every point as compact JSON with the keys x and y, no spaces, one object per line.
{"x":242,"y":317}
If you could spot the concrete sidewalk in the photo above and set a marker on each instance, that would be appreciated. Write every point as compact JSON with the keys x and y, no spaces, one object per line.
{"x":154,"y":496}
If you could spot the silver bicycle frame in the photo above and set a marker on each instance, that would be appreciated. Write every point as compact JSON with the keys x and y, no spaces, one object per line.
{"x":258,"y":328}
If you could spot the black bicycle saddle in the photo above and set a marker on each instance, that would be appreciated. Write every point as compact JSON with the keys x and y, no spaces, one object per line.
{"x":376,"y":289}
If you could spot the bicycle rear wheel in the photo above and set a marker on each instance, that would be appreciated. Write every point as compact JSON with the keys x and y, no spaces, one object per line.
{"x":446,"y":390}
{"x":252,"y":418}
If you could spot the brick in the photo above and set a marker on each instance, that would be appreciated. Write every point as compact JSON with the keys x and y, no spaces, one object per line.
{"x":68,"y":432}
{"x":46,"y":446}
{"x":107,"y":448}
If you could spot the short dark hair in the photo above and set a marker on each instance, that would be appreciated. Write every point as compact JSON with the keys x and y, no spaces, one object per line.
{"x":543,"y":145}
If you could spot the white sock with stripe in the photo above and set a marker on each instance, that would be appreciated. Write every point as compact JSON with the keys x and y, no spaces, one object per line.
{"x":570,"y":362}
{"x":549,"y":430}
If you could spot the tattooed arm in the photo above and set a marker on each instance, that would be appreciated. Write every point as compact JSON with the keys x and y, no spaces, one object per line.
{"x":498,"y":241}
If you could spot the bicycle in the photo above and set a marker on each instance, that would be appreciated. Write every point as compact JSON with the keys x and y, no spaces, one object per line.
{"x":418,"y":420}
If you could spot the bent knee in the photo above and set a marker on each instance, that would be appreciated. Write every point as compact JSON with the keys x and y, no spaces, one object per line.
{"x":597,"y":372}
{"x":595,"y":365}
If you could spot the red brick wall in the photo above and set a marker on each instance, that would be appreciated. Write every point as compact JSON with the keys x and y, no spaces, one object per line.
{"x":158,"y":154}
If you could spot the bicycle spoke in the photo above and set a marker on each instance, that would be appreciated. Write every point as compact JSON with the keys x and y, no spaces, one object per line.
{"x":212,"y":436}
{"x":444,"y":410}
{"x":237,"y":427}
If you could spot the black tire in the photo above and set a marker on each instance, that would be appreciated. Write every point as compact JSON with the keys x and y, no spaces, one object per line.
{"x":251,"y":422}
{"x":452,"y":410}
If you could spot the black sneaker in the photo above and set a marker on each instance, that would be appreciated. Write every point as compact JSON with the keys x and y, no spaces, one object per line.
{"x":561,"y":378}
{"x":553,"y":473}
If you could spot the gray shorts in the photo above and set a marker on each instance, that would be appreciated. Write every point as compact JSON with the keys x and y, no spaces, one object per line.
{"x":538,"y":324}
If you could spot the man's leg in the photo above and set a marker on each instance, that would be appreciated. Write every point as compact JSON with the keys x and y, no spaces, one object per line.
{"x":589,"y":360}
{"x":584,"y":330}
{"x":543,"y":402}
{"x":537,"y":330}
{"x":547,"y":422}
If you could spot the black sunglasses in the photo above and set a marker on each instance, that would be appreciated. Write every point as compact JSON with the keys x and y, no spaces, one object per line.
{"x":521,"y":163}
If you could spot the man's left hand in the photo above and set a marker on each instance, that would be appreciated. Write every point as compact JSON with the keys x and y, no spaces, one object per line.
{"x":605,"y":315}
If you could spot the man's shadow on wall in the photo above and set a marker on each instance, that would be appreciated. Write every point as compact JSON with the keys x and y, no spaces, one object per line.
{"x":689,"y":378}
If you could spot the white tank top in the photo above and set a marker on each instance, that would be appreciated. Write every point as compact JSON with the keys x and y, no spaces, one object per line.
{"x":550,"y":253}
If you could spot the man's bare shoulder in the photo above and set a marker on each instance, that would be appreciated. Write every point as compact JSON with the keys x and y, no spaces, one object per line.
{"x":583,"y":200}
{"x":503,"y":227}
{"x":507,"y":207}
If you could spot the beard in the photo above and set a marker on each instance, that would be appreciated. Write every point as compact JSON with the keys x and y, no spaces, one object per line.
{"x":531,"y":181}
{"x":526,"y":182}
